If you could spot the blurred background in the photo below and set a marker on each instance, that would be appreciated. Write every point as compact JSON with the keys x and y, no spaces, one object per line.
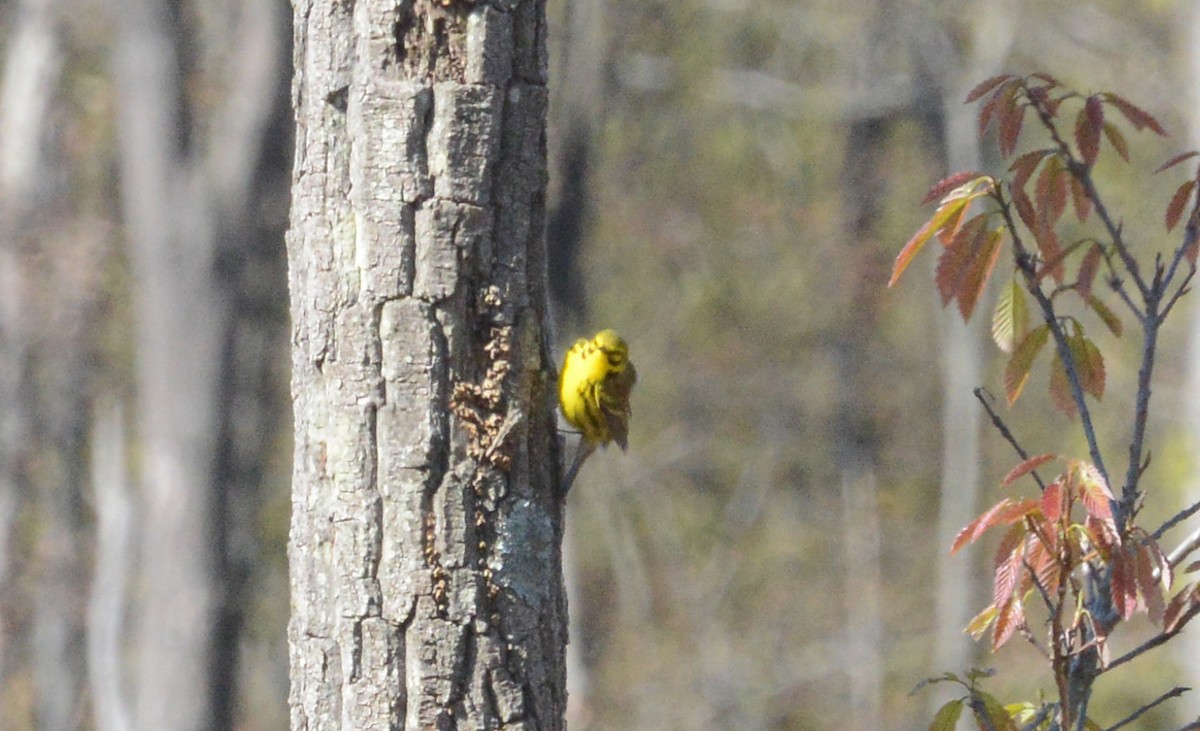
{"x":730,"y":182}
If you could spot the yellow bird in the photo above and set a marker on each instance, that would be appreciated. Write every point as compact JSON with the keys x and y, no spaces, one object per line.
{"x":593,"y":391}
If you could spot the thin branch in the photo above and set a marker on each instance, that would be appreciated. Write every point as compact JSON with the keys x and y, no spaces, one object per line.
{"x":1172,"y":693}
{"x":1191,"y":726}
{"x":1183,"y":550}
{"x":1175,"y":520}
{"x":1155,"y":641}
{"x":1001,"y":427}
{"x":1050,"y":317}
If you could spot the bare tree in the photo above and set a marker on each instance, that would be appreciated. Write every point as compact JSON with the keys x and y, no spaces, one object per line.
{"x":197,"y":187}
{"x":426,"y":575}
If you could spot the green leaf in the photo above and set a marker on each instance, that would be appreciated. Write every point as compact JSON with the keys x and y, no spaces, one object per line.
{"x":995,"y":713}
{"x":947,"y":716}
{"x":1110,"y":319}
{"x":1016,"y":371}
{"x":1010,"y":319}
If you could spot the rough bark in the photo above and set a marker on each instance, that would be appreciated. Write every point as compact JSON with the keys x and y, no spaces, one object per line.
{"x":426,"y":575}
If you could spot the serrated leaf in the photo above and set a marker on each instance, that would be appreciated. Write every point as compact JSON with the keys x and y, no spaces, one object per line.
{"x":1016,"y":371}
{"x":1052,"y":253}
{"x":949,"y":183}
{"x":1010,"y":319}
{"x":955,"y":261}
{"x":1088,"y":124}
{"x":950,"y":208}
{"x":1117,"y":140}
{"x":1093,"y":491}
{"x":997,"y":715}
{"x":1012,"y":117}
{"x":1138,"y":117}
{"x":1124,"y":583}
{"x":1088,"y":268}
{"x":1106,"y":315}
{"x":1060,"y":388}
{"x":1179,"y":201}
{"x":986,"y":251}
{"x":1008,"y":564}
{"x":1179,"y":607}
{"x":1004,"y":512}
{"x":946,"y":719}
{"x":1024,"y":208}
{"x":985,"y":86}
{"x":1024,"y":165}
{"x":1051,"y":191}
{"x":1052,"y":501}
{"x":1089,"y":363}
{"x":1009,"y":617}
{"x":1025,"y":468}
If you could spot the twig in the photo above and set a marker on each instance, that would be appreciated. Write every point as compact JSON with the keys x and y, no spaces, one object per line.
{"x":1191,"y":543}
{"x":1004,"y":431}
{"x":1172,"y":693}
{"x":1175,"y":520}
{"x":1154,"y":641}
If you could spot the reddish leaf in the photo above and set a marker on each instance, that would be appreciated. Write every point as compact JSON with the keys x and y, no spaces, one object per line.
{"x":986,"y":251}
{"x":1042,"y":558}
{"x":1088,"y":269}
{"x":1024,"y":208}
{"x":1180,"y":606}
{"x":1093,"y":491}
{"x":985,"y":86}
{"x":1124,"y":584}
{"x":1176,"y":160}
{"x":1178,"y":202}
{"x":1002,"y":513}
{"x":1016,"y":371}
{"x":1052,"y":502}
{"x":1060,"y":389}
{"x":949,"y":183}
{"x":1008,"y":564}
{"x":1025,"y":468}
{"x":945,"y":213}
{"x":1052,"y":253}
{"x":1117,"y":140}
{"x":1104,"y":534}
{"x":1022,"y":167}
{"x":1088,"y":124}
{"x":1110,"y":319}
{"x":1012,"y":117}
{"x":1138,"y":117}
{"x":1051,"y":190}
{"x":956,"y":260}
{"x":1009,"y":617}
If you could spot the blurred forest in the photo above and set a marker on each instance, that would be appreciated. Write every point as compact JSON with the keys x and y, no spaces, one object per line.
{"x":730,"y":182}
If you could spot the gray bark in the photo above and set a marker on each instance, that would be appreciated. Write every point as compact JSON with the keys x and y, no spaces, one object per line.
{"x":426,"y":574}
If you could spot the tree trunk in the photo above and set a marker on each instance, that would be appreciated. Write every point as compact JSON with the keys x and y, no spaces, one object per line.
{"x":426,"y":575}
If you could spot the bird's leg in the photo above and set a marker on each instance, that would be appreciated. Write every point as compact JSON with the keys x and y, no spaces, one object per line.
{"x":586,"y":447}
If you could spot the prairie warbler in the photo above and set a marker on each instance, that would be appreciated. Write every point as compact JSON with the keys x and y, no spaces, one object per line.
{"x":593,"y":391}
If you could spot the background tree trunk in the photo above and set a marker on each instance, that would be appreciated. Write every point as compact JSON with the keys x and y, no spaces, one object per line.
{"x":426,"y":578}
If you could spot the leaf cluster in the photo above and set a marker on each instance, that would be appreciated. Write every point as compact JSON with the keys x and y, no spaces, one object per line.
{"x":1075,"y":548}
